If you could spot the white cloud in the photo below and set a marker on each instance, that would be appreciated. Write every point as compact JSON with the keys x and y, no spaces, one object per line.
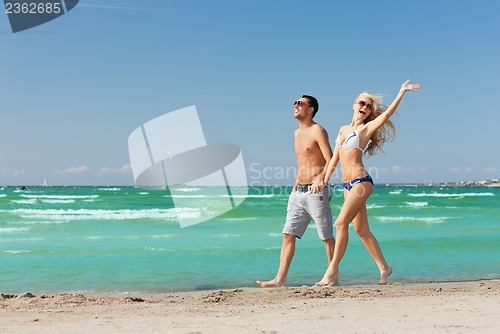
{"x":126,"y":168}
{"x":383,"y":170}
{"x":18,"y":172}
{"x":13,"y":172}
{"x":399,"y":169}
{"x":124,"y":8}
{"x":123,"y":169}
{"x":73,"y":170}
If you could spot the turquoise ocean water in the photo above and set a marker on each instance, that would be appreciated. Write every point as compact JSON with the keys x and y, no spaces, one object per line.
{"x":126,"y":239}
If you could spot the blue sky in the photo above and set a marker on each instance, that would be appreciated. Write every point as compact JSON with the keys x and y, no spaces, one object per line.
{"x":73,"y":89}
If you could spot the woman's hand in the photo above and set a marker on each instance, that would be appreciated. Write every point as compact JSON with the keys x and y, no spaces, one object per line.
{"x":408,"y":87}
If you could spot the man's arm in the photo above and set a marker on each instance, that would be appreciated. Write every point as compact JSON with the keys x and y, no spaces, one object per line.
{"x":326,"y":151}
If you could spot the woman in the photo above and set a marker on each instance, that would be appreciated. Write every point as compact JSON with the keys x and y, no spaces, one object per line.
{"x":370,"y":128}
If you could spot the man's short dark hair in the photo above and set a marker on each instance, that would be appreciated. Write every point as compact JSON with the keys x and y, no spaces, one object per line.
{"x":313,"y":102}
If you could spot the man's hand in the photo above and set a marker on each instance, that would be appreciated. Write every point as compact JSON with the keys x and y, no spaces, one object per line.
{"x":318,"y":185}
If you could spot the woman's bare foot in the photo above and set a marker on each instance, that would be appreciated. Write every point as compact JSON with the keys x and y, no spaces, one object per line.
{"x":329,"y":280}
{"x":384,"y":274}
{"x":271,"y":284}
{"x":323,"y":283}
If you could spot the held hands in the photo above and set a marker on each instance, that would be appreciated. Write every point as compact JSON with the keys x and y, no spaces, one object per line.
{"x":409,"y":87}
{"x":318,"y":185}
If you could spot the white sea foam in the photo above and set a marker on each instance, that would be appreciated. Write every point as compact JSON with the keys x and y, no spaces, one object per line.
{"x":62,"y":197}
{"x":229,"y":235}
{"x":192,"y":196}
{"x":268,"y":248}
{"x":160,"y":236}
{"x":40,"y":222}
{"x":416,"y":204}
{"x":408,"y":219}
{"x":451,"y":195}
{"x":395,"y":192}
{"x":186,"y":213}
{"x":13,"y":229}
{"x":3,"y":195}
{"x":24,"y":201}
{"x":187,"y":189}
{"x":153,"y":249}
{"x":148,"y":236}
{"x":120,"y":237}
{"x":100,"y":214}
{"x":58,"y":201}
{"x":222,"y":196}
{"x":375,"y":206}
{"x":109,"y":189}
{"x":22,"y":239}
{"x":257,"y":196}
{"x":240,"y":219}
{"x":16,"y":251}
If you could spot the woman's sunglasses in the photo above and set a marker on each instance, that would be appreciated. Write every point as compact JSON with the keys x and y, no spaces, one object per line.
{"x":363,"y":103}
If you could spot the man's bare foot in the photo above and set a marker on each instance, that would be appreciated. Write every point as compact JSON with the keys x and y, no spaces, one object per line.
{"x":384,"y":274}
{"x":271,"y":284}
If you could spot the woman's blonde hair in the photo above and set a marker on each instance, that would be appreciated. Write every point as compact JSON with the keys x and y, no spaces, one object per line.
{"x":386,"y":132}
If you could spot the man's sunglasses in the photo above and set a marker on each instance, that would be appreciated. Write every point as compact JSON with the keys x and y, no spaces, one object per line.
{"x":300,"y":104}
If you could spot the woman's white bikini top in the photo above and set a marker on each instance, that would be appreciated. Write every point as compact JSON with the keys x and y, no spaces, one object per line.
{"x":352,"y":141}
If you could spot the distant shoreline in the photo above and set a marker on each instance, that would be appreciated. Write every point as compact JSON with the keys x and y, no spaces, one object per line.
{"x":472,"y":184}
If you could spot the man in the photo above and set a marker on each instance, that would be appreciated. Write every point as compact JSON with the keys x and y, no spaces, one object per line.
{"x":310,"y":198}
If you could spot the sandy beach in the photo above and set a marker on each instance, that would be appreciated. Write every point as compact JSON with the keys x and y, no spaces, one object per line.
{"x":451,"y":307}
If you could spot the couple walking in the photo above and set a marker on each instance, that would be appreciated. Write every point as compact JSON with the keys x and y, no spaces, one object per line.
{"x":369,"y":129}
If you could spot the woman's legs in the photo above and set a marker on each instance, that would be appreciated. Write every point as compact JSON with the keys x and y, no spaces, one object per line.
{"x":360,"y":223}
{"x":354,"y":200}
